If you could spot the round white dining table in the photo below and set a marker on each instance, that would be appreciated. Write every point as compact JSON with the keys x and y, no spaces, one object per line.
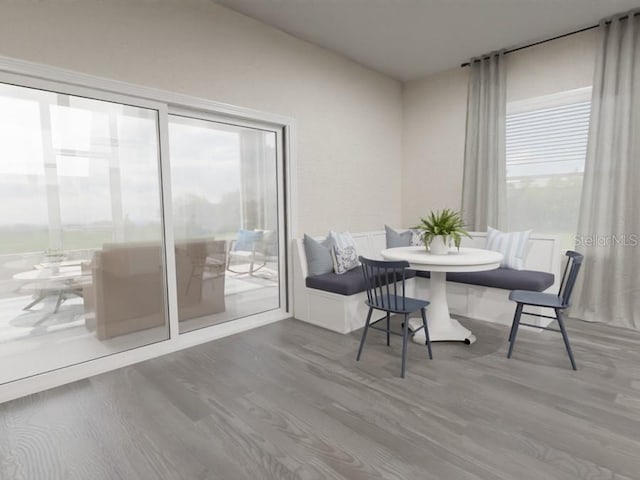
{"x":442,"y":327}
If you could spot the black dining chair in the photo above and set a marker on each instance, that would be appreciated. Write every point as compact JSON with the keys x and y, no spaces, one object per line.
{"x":557,"y":302}
{"x":385,"y":287}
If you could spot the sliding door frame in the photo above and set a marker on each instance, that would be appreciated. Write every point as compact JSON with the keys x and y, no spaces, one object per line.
{"x":34,"y":75}
{"x":283,"y":241}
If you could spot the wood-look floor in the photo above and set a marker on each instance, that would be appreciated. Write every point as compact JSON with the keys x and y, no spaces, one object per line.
{"x":288,"y":401}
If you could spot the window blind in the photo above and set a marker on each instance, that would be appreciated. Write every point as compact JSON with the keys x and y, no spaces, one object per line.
{"x":549,"y":141}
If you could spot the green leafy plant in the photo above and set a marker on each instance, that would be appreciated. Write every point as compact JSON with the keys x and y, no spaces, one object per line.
{"x":447,"y":223}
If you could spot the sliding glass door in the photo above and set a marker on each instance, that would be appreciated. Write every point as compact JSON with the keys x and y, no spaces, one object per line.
{"x":82,"y":271}
{"x":97,"y":192}
{"x":224,"y":183}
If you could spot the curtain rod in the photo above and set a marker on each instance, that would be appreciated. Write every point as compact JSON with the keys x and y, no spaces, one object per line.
{"x":466,"y":64}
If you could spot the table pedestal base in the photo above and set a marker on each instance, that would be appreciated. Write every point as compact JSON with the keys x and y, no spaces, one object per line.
{"x":442,"y":328}
{"x":457,"y":333}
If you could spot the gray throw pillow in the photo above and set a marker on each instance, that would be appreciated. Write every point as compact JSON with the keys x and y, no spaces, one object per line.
{"x":318,"y":254}
{"x":398,"y":239}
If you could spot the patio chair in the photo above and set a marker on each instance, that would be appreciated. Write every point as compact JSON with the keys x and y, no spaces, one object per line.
{"x":385,"y":287}
{"x":557,"y":302}
{"x":253,"y":248}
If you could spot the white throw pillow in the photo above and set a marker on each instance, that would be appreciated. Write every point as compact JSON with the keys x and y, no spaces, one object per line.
{"x":344,"y":259}
{"x":342,"y":239}
{"x":512,"y":246}
{"x":344,"y":252}
{"x":416,"y":239}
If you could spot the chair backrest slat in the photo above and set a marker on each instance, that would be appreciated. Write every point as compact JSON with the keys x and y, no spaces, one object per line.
{"x":569,"y":276}
{"x":385,"y":283}
{"x":384,"y":279}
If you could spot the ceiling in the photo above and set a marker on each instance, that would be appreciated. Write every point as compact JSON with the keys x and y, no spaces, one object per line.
{"x":408,"y":39}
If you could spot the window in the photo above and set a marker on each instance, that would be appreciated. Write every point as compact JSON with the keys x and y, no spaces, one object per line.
{"x":81,"y":263}
{"x":99,"y":190}
{"x":546,"y":145}
{"x":224,"y":185}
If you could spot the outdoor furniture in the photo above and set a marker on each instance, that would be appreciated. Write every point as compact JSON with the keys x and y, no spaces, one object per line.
{"x":127,"y":292}
{"x":59,"y":281}
{"x":385,"y":287}
{"x":253,"y":248}
{"x":557,"y":302}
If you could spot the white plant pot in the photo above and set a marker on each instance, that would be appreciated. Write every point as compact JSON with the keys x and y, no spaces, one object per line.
{"x":439,"y":245}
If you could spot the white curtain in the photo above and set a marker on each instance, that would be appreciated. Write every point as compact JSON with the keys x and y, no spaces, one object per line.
{"x":484,"y":182}
{"x":609,"y":222}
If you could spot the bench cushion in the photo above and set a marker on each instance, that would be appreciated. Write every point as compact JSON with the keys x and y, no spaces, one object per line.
{"x":348,"y":283}
{"x":504,"y":278}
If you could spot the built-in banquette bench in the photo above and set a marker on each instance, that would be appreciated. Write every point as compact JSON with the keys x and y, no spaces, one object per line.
{"x":336,"y":301}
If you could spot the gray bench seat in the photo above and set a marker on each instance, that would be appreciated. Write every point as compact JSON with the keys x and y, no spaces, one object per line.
{"x":504,"y":278}
{"x":348,"y":283}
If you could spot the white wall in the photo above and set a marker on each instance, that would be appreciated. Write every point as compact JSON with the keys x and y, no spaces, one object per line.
{"x":348,"y":118}
{"x":557,"y":66}
{"x":435,"y":111}
{"x":435,"y":116}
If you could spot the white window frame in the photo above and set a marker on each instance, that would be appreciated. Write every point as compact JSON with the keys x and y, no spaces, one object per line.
{"x":34,"y":75}
{"x":257,"y":125}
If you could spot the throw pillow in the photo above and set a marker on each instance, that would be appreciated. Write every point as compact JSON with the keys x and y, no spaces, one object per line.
{"x":318,"y":255}
{"x":512,"y":246}
{"x":416,"y":239}
{"x":344,"y":259}
{"x":343,"y":240}
{"x":396,"y":238}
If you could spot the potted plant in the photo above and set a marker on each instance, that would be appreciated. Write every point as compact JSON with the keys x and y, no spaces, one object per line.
{"x":439,"y":228}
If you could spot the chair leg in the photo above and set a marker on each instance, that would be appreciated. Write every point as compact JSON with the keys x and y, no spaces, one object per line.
{"x":514,"y":328}
{"x":405,"y":337}
{"x":513,"y":323}
{"x":426,"y":332}
{"x":364,"y":334}
{"x":388,"y":329}
{"x":565,"y":337}
{"x":254,"y":269}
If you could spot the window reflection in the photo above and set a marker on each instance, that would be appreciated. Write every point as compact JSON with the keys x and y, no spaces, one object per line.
{"x":81,"y":263}
{"x":224,"y":187}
